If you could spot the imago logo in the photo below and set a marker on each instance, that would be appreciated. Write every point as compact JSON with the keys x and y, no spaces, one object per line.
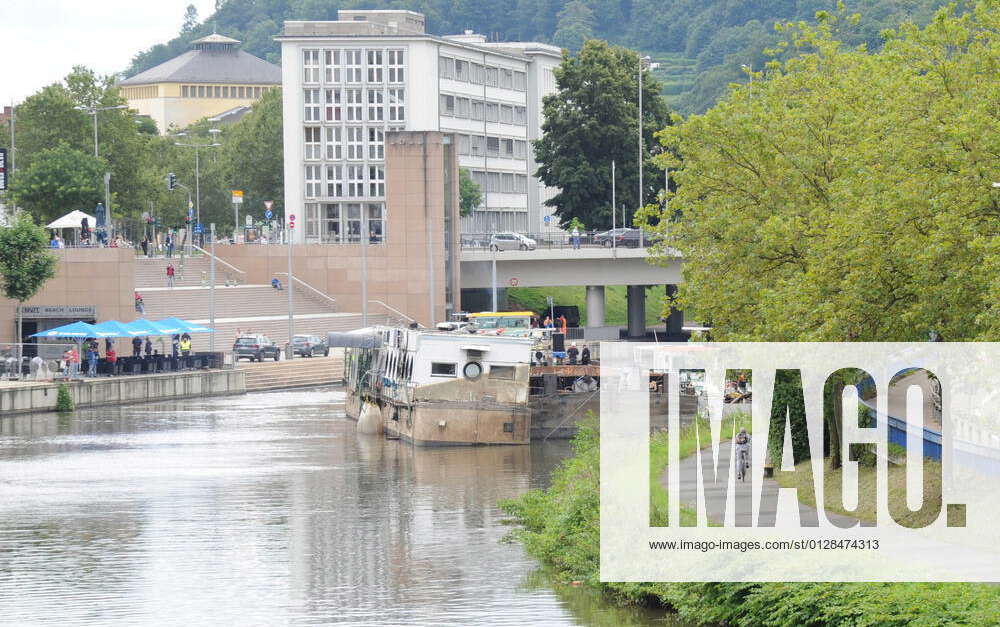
{"x":751,"y":461}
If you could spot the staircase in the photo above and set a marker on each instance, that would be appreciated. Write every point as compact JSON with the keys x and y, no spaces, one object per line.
{"x":295,"y":373}
{"x":152,"y":272}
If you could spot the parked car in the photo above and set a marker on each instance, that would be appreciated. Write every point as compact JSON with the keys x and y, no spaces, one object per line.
{"x":255,"y":348}
{"x":511,"y":241}
{"x":309,"y":346}
{"x":625,"y":238}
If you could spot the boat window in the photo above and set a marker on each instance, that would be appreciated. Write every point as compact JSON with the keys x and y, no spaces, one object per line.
{"x":439,"y":369}
{"x":501,"y":372}
{"x":515,"y":323}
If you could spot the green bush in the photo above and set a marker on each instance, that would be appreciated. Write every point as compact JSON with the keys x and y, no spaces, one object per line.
{"x":64,"y":402}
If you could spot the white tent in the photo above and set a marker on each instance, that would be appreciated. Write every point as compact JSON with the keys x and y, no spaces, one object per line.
{"x":72,"y":220}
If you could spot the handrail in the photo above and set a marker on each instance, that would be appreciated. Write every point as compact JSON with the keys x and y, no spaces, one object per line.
{"x":395,"y":311}
{"x":304,"y":284}
{"x":222,"y":261}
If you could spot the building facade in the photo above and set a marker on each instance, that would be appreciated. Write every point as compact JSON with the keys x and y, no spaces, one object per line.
{"x":348,"y":83}
{"x":212,"y":79}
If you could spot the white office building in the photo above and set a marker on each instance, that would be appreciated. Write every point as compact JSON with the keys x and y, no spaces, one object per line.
{"x":349,"y":82}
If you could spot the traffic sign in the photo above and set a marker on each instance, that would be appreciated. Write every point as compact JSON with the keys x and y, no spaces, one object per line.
{"x":249,"y":220}
{"x":268,"y":204}
{"x":237,"y":197}
{"x":291,"y":221}
{"x":547,"y":219}
{"x":199,"y":228}
{"x":268,"y":214}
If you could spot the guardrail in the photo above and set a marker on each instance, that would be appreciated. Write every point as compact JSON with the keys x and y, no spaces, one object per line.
{"x":633,"y":238}
{"x":399,"y":313}
{"x":315,"y":291}
{"x":224,"y":263}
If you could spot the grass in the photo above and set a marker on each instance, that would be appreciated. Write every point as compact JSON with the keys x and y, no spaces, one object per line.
{"x":615,"y":305}
{"x":659,"y":456}
{"x":802,"y":480}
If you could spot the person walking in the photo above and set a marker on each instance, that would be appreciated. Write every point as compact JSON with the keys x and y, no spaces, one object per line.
{"x":145,"y":245}
{"x":67,"y":360}
{"x":74,"y":362}
{"x":576,"y":238}
{"x":148,"y":348}
{"x":140,"y":306}
{"x":168,"y":243}
{"x":112,"y":358}
{"x":186,"y":345}
{"x":136,"y":347}
{"x":175,"y":346}
{"x":92,"y":358}
{"x":170,"y":275}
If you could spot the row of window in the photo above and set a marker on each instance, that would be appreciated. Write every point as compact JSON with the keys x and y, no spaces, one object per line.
{"x":341,"y":223}
{"x":500,"y":182}
{"x":495,"y":220}
{"x":354,"y":105}
{"x":223,"y":91}
{"x":345,"y":181}
{"x":472,"y":109}
{"x":504,"y":147}
{"x":138,"y":93}
{"x":350,"y":143}
{"x":353,"y":66}
{"x":478,"y":74}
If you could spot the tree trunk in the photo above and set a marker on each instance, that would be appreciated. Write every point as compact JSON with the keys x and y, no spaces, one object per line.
{"x":837,"y":426}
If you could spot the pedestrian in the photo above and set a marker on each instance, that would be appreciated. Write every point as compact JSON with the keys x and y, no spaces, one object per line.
{"x":54,"y":242}
{"x":109,"y":344}
{"x":741,"y":383}
{"x":67,"y":360}
{"x":175,"y":346}
{"x":548,"y":323}
{"x":148,"y":348}
{"x":170,"y":274}
{"x":576,"y":238}
{"x":136,"y":347}
{"x":186,"y":345}
{"x":140,"y":306}
{"x":585,"y":356}
{"x":276,"y":284}
{"x":74,"y":362}
{"x":92,"y":355}
{"x":169,"y":244}
{"x":573,"y":352}
{"x":562,"y":324}
{"x":112,"y":358}
{"x":145,"y":245}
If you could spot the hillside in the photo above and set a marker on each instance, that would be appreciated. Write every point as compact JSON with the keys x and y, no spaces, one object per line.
{"x":700,"y":44}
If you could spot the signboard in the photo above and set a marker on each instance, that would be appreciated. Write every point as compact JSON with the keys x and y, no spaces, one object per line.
{"x":249,"y":220}
{"x":268,"y":204}
{"x":75,"y":312}
{"x":547,"y":219}
{"x":268,"y":214}
{"x":513,"y":281}
{"x":190,"y":212}
{"x":199,"y":228}
{"x":3,"y":169}
{"x":237,"y":197}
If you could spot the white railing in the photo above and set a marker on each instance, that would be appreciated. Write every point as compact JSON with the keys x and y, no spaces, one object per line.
{"x":399,"y":313}
{"x":222,"y":261}
{"x":315,"y":291}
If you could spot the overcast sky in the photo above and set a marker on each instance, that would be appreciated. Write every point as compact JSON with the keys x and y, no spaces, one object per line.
{"x":41,"y":40}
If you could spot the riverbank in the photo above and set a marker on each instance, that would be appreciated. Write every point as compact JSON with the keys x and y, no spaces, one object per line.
{"x":561,"y":527}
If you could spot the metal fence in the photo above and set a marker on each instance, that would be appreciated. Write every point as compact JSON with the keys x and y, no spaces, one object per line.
{"x":32,"y":362}
{"x":556,"y":240}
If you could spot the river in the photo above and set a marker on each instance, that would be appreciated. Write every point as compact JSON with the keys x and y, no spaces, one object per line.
{"x":266,"y":509}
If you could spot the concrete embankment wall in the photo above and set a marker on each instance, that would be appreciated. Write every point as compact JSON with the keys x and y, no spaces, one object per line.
{"x":38,"y":397}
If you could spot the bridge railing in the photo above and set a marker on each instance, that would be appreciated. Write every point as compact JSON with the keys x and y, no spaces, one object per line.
{"x":623,"y":238}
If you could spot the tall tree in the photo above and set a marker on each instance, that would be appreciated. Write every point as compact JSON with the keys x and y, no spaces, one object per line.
{"x":57,"y":181}
{"x":592,"y":120}
{"x":25,"y":261}
{"x":469,"y":194}
{"x":845,"y":195}
{"x":252,"y":157}
{"x":575,"y":26}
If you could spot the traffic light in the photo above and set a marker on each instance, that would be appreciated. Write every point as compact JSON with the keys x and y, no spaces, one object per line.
{"x":187,"y":219}
{"x":171,"y":182}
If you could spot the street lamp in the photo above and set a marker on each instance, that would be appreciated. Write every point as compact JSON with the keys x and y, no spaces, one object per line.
{"x":197,"y":168}
{"x":107,"y":176}
{"x":644,"y":63}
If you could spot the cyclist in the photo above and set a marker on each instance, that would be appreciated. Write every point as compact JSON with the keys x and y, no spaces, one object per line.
{"x":742,"y":453}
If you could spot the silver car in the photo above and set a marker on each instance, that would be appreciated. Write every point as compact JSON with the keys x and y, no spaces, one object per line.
{"x":511,"y":241}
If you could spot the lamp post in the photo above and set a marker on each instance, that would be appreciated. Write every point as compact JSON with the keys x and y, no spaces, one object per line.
{"x":107,"y":177}
{"x":644,"y":62}
{"x":197,"y":167}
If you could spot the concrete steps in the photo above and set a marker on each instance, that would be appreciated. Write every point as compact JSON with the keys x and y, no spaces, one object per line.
{"x":298,"y":372}
{"x":242,"y":300}
{"x":152,"y":272}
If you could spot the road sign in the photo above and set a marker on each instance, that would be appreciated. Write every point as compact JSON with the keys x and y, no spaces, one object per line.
{"x":199,"y":228}
{"x":190,"y":212}
{"x":237,"y":197}
{"x":3,"y":169}
{"x":249,"y":220}
{"x":291,"y":221}
{"x":268,"y":204}
{"x":268,"y":214}
{"x":547,"y":219}
{"x":513,"y":281}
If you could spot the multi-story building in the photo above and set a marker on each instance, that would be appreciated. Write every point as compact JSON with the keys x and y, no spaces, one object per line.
{"x":347,"y":83}
{"x":214,"y":78}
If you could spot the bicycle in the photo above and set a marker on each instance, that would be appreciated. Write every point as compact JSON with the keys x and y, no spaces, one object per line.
{"x":742,"y":461}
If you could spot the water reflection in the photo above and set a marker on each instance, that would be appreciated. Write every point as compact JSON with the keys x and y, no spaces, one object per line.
{"x":260,"y":510}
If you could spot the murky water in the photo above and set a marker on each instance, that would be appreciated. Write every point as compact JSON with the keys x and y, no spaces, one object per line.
{"x":265,"y":509}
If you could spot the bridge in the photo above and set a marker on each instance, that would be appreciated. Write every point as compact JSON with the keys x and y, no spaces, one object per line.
{"x":593,"y":267}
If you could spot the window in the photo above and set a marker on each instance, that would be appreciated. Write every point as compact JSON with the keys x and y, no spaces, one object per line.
{"x":520,"y":116}
{"x":507,"y":148}
{"x":461,"y":70}
{"x":332,"y":228}
{"x":353,"y":219}
{"x":332,"y":66}
{"x":376,"y":222}
{"x":462,"y":107}
{"x":521,"y":183}
{"x":493,"y":146}
{"x":446,"y":67}
{"x":225,"y":91}
{"x":396,"y":109}
{"x":352,"y":61}
{"x":201,"y":91}
{"x":476,"y":74}
{"x":374,"y":66}
{"x":312,"y":142}
{"x":395,"y":66}
{"x":507,"y":114}
{"x":520,"y":81}
{"x":355,"y":107}
{"x":376,"y":105}
{"x":507,"y":183}
{"x":492,"y":112}
{"x":479,"y":178}
{"x":520,"y":149}
{"x":477,"y":109}
{"x":376,"y":181}
{"x":184,"y":91}
{"x":376,"y":143}
{"x":493,"y":181}
{"x":335,"y":181}
{"x":501,"y":372}
{"x":312,"y":219}
{"x":355,"y":143}
{"x":478,"y":143}
{"x":491,"y":76}
{"x":439,"y":369}
{"x":334,"y":146}
{"x":356,"y":182}
{"x":506,"y":78}
{"x":243,"y":92}
{"x":310,"y":66}
{"x":215,"y":92}
{"x":311,"y":100}
{"x":464,"y":145}
{"x":447,"y":104}
{"x":333,"y":105}
{"x":313,"y":181}
{"x":256,"y":92}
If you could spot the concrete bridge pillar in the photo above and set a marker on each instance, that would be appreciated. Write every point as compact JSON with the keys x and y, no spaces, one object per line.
{"x":675,"y":321}
{"x":595,"y":305}
{"x":636,"y":310}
